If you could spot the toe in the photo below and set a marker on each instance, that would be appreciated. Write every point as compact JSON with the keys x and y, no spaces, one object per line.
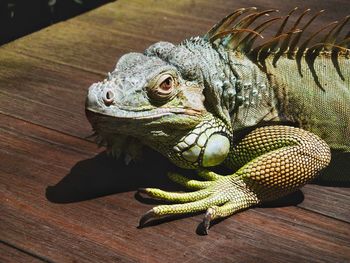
{"x":209,"y":175}
{"x":188,"y":183}
{"x":174,"y":196}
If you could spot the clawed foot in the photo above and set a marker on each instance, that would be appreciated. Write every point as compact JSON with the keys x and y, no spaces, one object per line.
{"x":220,"y":196}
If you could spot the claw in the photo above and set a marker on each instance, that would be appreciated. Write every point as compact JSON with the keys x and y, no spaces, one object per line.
{"x":209,"y":215}
{"x":147,"y":217}
{"x":142,"y":190}
{"x":145,"y":192}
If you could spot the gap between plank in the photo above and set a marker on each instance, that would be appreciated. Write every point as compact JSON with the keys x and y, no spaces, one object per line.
{"x":43,"y":259}
{"x":51,"y":129}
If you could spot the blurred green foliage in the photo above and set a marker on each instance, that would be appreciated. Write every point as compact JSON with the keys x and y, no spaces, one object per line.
{"x":21,"y":17}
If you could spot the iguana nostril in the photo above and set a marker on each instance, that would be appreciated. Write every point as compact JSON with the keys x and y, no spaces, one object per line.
{"x":108,"y":97}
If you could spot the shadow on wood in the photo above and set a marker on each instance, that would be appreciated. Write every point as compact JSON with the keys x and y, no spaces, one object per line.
{"x":103,"y":175}
{"x":338,"y":172}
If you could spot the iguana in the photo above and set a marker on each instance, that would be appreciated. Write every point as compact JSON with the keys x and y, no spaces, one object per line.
{"x":268,"y":111}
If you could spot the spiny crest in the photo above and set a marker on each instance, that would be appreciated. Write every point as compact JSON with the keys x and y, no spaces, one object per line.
{"x":236,"y":32}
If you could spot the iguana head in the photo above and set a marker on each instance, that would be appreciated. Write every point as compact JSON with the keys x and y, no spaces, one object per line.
{"x":157,"y":98}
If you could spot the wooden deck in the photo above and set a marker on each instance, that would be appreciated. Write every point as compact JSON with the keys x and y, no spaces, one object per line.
{"x":64,"y":200}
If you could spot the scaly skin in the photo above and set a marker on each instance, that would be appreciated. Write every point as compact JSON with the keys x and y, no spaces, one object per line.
{"x":330,"y":119}
{"x":194,"y":102}
{"x":274,"y":161}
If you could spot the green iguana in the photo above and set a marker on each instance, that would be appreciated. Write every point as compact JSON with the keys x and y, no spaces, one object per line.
{"x":223,"y":99}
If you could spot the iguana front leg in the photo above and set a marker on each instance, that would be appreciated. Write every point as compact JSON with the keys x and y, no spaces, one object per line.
{"x":273,"y":161}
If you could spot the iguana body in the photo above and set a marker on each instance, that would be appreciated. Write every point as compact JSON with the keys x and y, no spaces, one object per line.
{"x":194,"y":103}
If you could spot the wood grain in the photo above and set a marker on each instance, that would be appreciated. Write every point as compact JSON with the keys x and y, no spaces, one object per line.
{"x":64,"y":200}
{"x":10,"y":254}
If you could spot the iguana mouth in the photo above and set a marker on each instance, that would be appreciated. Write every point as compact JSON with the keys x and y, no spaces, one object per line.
{"x":130,"y":123}
{"x":124,"y":115}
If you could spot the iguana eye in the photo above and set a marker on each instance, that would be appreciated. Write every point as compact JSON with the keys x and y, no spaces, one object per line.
{"x":162,"y":88}
{"x":167,"y":84}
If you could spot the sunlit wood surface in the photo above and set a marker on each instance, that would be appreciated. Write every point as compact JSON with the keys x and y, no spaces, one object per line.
{"x":64,"y":200}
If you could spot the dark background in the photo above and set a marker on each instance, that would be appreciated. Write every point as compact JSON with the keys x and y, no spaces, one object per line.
{"x":22,"y":17}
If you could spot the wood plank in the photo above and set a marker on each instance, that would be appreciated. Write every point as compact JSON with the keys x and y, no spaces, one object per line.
{"x":104,"y":228}
{"x":10,"y":254}
{"x":95,"y":40}
{"x":45,"y":93}
{"x":331,"y":201}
